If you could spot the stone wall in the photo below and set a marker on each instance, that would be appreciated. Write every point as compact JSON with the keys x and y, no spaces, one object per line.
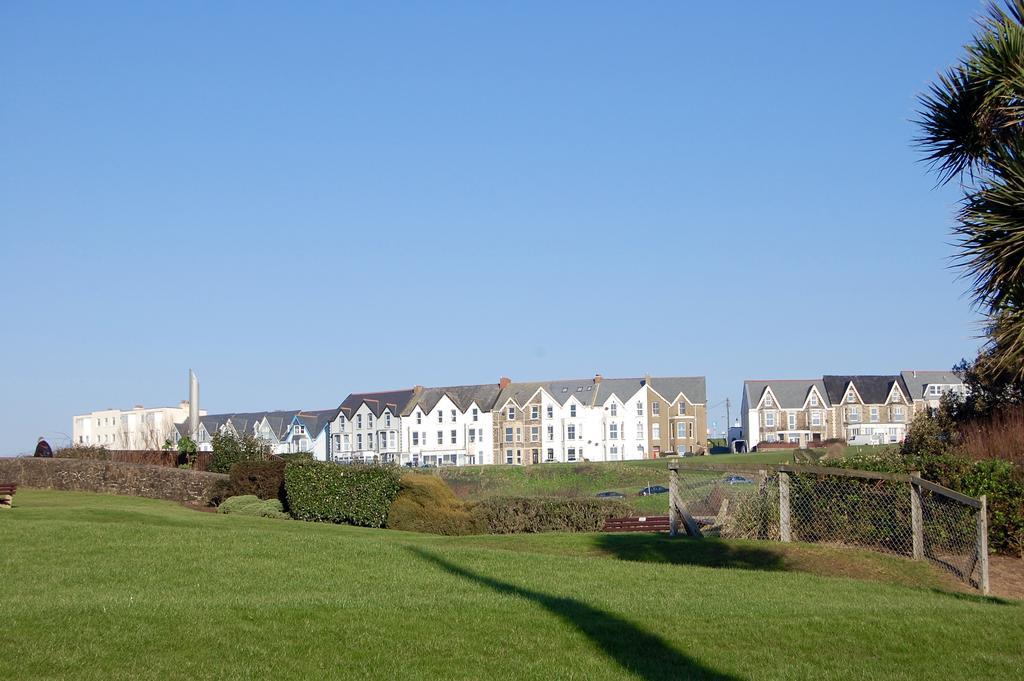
{"x":109,"y":477}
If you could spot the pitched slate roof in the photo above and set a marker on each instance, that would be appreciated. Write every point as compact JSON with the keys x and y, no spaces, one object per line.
{"x":520,"y":392}
{"x":669,"y":387}
{"x":377,"y":402}
{"x":585,"y":390}
{"x":462,"y":395}
{"x":622,"y":388}
{"x":316,"y":420}
{"x":918,"y":381}
{"x":872,"y":389}
{"x":280,"y":421}
{"x":790,"y":393}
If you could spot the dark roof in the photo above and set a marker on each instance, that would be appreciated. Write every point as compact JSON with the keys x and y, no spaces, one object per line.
{"x":789,"y":393}
{"x":669,"y":387}
{"x":316,"y":420}
{"x":377,"y":402}
{"x":872,"y":389}
{"x":462,"y":395}
{"x":518,"y":392}
{"x":622,"y":388}
{"x":280,"y":421}
{"x":585,"y":390}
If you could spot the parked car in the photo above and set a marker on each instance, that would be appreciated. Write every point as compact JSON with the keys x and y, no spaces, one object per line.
{"x":653,"y":489}
{"x":737,"y":480}
{"x":611,"y":495}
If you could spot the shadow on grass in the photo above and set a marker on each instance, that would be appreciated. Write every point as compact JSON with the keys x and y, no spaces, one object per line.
{"x":975,"y":598}
{"x":708,"y":552}
{"x":635,"y":650}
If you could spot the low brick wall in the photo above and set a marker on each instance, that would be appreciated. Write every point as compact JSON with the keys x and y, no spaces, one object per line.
{"x":109,"y":477}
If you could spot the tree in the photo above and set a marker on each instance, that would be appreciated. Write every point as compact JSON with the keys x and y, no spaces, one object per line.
{"x":972,"y":123}
{"x":229,"y":449}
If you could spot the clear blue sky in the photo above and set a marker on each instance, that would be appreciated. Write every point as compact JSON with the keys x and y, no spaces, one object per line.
{"x":301,"y":200}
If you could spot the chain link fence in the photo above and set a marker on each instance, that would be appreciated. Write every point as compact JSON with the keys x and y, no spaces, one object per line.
{"x":892,"y":513}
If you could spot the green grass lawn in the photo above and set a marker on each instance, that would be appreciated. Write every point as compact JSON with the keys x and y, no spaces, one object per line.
{"x":103,"y":587}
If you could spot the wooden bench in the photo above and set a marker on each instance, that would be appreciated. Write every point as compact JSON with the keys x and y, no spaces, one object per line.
{"x":7,"y":490}
{"x":650,"y":523}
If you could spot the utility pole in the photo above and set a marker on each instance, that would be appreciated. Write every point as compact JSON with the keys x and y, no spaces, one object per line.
{"x":728,"y":419}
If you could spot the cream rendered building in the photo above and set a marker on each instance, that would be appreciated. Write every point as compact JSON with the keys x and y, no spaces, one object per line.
{"x":136,"y":428}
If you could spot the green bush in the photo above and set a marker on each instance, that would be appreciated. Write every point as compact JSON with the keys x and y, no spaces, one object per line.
{"x":358,"y":495}
{"x":229,"y":449}
{"x":426,"y":504}
{"x":251,"y":505}
{"x":1003,"y":484}
{"x":296,"y":456}
{"x":510,"y":515}
{"x":264,"y":479}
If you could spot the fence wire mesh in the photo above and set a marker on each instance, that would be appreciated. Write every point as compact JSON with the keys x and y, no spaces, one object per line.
{"x":834,"y":508}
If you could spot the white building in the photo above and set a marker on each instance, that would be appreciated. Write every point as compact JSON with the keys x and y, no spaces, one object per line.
{"x":136,"y":428}
{"x":927,"y":387}
{"x":367,"y":428}
{"x":449,"y":426}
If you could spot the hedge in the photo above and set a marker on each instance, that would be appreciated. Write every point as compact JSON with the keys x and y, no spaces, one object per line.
{"x":263,"y":479}
{"x":426,"y":503}
{"x":509,"y":515}
{"x":324,"y":492}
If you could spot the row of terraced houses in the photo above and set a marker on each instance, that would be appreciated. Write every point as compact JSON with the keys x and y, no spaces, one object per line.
{"x":868,"y":409}
{"x":507,"y":422}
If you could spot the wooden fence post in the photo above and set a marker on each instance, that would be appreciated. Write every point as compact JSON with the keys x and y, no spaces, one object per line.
{"x":916,"y":519}
{"x":673,"y":499}
{"x":982,"y":544}
{"x":785,"y":533}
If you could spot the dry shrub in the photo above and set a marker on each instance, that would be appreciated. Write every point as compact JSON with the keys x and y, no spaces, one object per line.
{"x":426,"y":504}
{"x":1001,"y":436}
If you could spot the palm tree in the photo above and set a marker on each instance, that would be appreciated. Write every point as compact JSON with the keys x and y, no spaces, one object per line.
{"x":972,"y":122}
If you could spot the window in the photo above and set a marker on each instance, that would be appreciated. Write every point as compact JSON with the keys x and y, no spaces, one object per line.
{"x":853,"y":414}
{"x":639,"y":408}
{"x":792,"y":421}
{"x":440,"y":416}
{"x":572,"y":454}
{"x":359,"y":420}
{"x":519,"y":456}
{"x":816,"y":417}
{"x":511,"y":414}
{"x":387,"y":420}
{"x":519,"y":434}
{"x":419,"y":417}
{"x":935,"y":390}
{"x":472,"y":434}
{"x":551,"y":411}
{"x":551,"y":454}
{"x":613,"y":431}
{"x":572,"y":411}
{"x":639,"y":431}
{"x":614,"y":451}
{"x":768,"y":401}
{"x":570,"y":433}
{"x":369,"y":441}
{"x":369,"y":420}
{"x":476,"y":414}
{"x":613,"y":409}
{"x":508,"y":456}
{"x":874,"y":414}
{"x":656,"y":408}
{"x":682,"y":408}
{"x":359,"y":441}
{"x":454,"y":436}
{"x":453,"y":416}
{"x":655,"y":431}
{"x":896,"y":397}
{"x":534,"y":411}
{"x":551,"y":432}
{"x":415,"y":439}
{"x":392,"y":439}
{"x":769,"y":419}
{"x":440,"y":437}
{"x":680,"y":429}
{"x":814,"y":399}
{"x":534,"y":433}
{"x":897,"y":413}
{"x":850,"y":397}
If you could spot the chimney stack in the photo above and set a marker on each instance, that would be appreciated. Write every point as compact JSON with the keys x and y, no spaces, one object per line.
{"x":504,"y":382}
{"x":597,"y":378}
{"x":647,"y":379}
{"x":193,"y":404}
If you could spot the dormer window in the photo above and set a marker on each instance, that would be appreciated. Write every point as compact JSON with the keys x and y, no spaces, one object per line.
{"x":814,"y":399}
{"x":768,"y":401}
{"x":572,"y":410}
{"x":850,"y":397}
{"x":613,"y":409}
{"x":511,"y":414}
